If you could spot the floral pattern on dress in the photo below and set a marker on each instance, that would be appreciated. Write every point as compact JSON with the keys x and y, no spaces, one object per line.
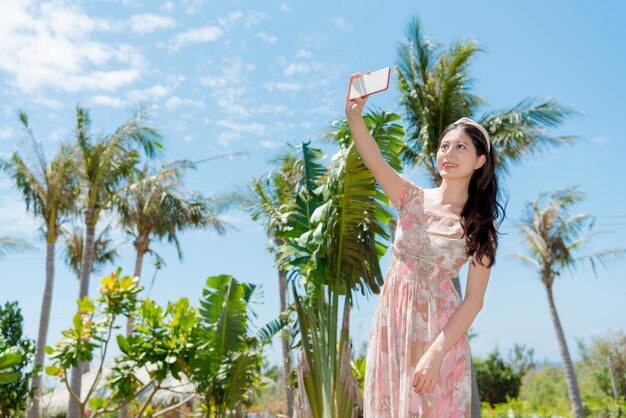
{"x":416,"y":301}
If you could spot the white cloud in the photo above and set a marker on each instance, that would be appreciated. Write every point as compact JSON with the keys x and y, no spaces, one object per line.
{"x":146,"y":23}
{"x":266,"y":37}
{"x":273,"y":109}
{"x":249,"y":18}
{"x":270,"y":144}
{"x":193,"y":6}
{"x":52,"y":45}
{"x":341,"y":23}
{"x":196,"y":36}
{"x":304,"y":54}
{"x":297,"y":68}
{"x":169,"y":6}
{"x":283,"y":86}
{"x":174,"y":102}
{"x":47,"y":102}
{"x":108,"y":101}
{"x":229,"y":87}
{"x":234,"y":130}
{"x":284,"y":7}
{"x":153,"y":93}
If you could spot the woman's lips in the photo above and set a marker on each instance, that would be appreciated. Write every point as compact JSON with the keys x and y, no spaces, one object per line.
{"x":449,"y":165}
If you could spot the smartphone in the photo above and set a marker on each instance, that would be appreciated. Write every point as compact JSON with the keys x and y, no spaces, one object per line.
{"x":371,"y":83}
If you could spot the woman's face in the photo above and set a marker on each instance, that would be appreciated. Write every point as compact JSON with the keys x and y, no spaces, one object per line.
{"x":458,"y":150}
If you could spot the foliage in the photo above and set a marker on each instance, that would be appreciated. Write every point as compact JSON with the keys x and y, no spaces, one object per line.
{"x":15,"y":394}
{"x":9,"y":358}
{"x":93,"y":327}
{"x":228,"y":359}
{"x":499,"y":380}
{"x":336,"y":215}
{"x":597,"y":354}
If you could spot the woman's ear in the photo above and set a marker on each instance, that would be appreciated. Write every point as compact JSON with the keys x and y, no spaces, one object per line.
{"x":481,"y":161}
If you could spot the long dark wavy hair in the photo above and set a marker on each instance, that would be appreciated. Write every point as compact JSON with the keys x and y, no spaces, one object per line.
{"x":480,"y":213}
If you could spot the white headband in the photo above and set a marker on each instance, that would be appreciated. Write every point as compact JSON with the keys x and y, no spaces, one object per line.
{"x":476,"y":124}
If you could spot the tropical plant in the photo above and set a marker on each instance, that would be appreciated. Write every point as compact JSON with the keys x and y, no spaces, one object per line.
{"x":552,"y":236}
{"x":104,"y":165}
{"x":14,"y":395}
{"x":264,"y":198}
{"x":49,"y":190}
{"x":330,"y":231}
{"x":154,"y":206}
{"x":228,"y":360}
{"x":435,"y":90}
{"x":104,"y":251}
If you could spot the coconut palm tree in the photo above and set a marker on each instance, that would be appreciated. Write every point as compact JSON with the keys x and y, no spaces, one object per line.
{"x":552,"y":236}
{"x":104,"y":253}
{"x":104,"y":165}
{"x":435,"y":90}
{"x":265,"y":197}
{"x":49,"y":190}
{"x":330,"y":229}
{"x":154,"y":206}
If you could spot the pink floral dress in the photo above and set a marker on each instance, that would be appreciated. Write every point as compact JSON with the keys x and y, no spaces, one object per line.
{"x":416,"y":301}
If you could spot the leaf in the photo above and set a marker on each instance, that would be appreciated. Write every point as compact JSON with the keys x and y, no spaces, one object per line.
{"x":9,"y":360}
{"x":9,"y":377}
{"x":123,"y":344}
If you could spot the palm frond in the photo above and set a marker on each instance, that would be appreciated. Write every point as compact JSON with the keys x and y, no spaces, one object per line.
{"x":523,"y":130}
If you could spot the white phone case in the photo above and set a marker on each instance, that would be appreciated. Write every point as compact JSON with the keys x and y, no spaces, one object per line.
{"x":370,"y":83}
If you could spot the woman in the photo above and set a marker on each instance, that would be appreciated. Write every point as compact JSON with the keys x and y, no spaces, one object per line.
{"x":418,"y":357}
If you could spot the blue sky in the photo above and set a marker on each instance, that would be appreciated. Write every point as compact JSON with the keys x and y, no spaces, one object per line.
{"x":229,"y":76}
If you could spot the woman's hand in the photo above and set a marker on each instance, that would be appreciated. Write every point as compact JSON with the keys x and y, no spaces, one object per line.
{"x":354,"y":107}
{"x":426,"y":373}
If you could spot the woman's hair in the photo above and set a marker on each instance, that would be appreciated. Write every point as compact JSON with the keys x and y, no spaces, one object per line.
{"x":481,"y":210}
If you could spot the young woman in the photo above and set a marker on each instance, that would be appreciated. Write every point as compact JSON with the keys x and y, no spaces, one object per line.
{"x":418,"y":357}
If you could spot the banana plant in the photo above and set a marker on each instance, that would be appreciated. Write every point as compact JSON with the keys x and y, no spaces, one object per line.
{"x":227,"y":363}
{"x":336,"y":218}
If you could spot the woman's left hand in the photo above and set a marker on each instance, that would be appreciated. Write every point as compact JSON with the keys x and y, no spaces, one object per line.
{"x":426,"y":373}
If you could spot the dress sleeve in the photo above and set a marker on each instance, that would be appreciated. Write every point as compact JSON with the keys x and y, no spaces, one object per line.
{"x":408,"y":190}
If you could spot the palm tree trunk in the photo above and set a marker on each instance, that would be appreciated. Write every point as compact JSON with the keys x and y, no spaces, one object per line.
{"x":74,"y":409}
{"x":44,"y":322}
{"x":475,"y":397}
{"x":282,"y":278}
{"x":572,"y":384}
{"x":129,"y":323}
{"x":138,"y":265}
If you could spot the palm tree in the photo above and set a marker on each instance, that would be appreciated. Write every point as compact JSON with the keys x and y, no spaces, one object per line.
{"x":103,"y":253}
{"x":267,"y":195}
{"x":330,"y":228}
{"x":552,"y":236}
{"x":49,"y":191}
{"x":154,"y":206}
{"x":435,"y":90}
{"x":105,"y":164}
